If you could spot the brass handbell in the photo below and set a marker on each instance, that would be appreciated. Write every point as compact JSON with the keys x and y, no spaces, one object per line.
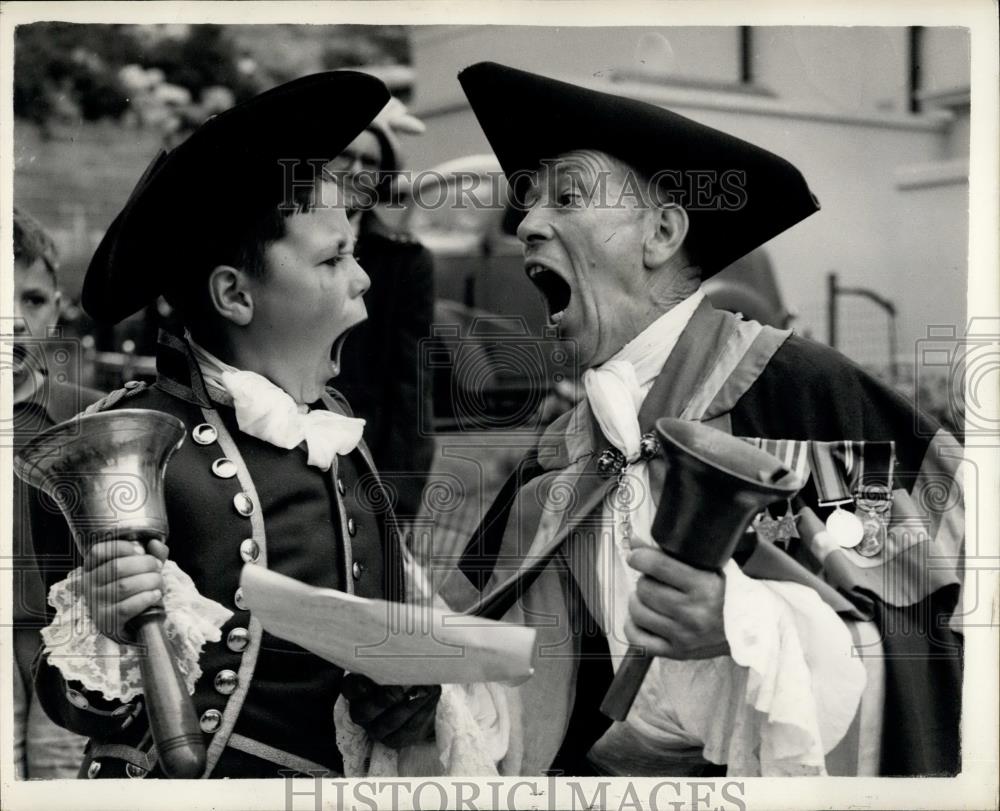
{"x":106,"y":471}
{"x":713,"y":486}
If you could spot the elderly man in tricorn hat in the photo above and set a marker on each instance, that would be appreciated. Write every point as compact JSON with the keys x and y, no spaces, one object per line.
{"x":629,"y":207}
{"x":243,"y":233}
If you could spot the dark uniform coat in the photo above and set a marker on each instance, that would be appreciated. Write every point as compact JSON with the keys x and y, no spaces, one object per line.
{"x":751,"y":382}
{"x":265,"y":705}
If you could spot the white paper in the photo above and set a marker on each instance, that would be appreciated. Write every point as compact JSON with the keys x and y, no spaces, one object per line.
{"x":391,"y":643}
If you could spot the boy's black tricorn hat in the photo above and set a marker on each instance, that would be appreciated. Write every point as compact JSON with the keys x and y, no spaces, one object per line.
{"x":224,"y":173}
{"x":528,"y":118}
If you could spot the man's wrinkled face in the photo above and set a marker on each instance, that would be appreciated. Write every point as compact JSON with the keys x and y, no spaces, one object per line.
{"x":583,"y":249}
{"x":312,"y":291}
{"x":36,"y":310}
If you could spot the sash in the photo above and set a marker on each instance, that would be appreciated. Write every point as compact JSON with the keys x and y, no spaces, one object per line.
{"x":686,"y":387}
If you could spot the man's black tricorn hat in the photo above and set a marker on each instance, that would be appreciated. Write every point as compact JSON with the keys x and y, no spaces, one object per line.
{"x":214,"y":183}
{"x":737,"y":195}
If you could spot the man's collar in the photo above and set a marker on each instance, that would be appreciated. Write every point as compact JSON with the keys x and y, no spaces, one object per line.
{"x":705,"y":333}
{"x":649,"y":350}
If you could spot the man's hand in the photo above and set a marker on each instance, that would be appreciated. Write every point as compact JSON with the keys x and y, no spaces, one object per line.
{"x":120,"y":581}
{"x":392,"y":715}
{"x":676,"y":610}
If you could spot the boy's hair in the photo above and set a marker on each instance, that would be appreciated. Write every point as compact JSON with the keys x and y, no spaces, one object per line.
{"x":242,"y":246}
{"x":32,"y":242}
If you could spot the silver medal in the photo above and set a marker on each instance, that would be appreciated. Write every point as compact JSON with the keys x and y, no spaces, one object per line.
{"x":845,"y":528}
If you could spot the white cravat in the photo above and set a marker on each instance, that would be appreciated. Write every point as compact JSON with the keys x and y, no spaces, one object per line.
{"x":615,"y":393}
{"x":267,"y":412}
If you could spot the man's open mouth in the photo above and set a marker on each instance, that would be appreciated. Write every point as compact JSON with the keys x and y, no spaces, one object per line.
{"x":554,"y":289}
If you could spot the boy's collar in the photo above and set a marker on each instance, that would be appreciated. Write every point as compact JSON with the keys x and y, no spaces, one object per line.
{"x":177,"y":371}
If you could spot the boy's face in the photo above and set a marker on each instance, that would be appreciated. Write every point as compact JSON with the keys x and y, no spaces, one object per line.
{"x":36,"y":310}
{"x":310,"y":296}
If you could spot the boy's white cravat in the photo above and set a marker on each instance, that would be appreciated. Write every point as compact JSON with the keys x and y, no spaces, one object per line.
{"x":268,"y":412}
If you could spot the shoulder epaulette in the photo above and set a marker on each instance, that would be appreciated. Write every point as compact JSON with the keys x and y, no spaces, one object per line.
{"x":130,"y":389}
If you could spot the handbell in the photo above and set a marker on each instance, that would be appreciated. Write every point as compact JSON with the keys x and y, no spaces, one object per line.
{"x":714,"y":485}
{"x":106,"y":472}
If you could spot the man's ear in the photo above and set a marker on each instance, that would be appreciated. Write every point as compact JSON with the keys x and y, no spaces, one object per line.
{"x":230,"y":294}
{"x":666,"y":236}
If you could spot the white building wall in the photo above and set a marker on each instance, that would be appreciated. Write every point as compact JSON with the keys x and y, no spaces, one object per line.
{"x":839,"y":112}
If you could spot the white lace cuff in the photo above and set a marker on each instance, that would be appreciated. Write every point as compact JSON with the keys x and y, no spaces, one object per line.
{"x":82,"y":653}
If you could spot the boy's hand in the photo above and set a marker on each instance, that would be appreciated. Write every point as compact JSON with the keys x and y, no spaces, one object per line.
{"x":120,"y":581}
{"x":392,"y":715}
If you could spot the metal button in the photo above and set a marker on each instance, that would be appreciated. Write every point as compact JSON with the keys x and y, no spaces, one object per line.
{"x":238,"y":639}
{"x":340,"y":486}
{"x":133,"y":771}
{"x":204,"y":434}
{"x":224,"y":468}
{"x":77,"y":699}
{"x":210,"y":720}
{"x":243,"y":504}
{"x":249,"y":551}
{"x":226,"y":682}
{"x":352,"y":528}
{"x":356,"y":570}
{"x":241,"y":604}
{"x":93,"y":769}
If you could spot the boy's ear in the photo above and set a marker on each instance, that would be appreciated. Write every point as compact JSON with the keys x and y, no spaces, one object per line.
{"x":666,"y":236}
{"x":229,"y":292}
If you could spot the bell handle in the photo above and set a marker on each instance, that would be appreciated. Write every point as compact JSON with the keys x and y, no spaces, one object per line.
{"x":180,"y":746}
{"x":626,"y":683}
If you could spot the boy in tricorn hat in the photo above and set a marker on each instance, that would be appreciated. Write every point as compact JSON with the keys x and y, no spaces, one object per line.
{"x":247,"y":238}
{"x":629,"y":207}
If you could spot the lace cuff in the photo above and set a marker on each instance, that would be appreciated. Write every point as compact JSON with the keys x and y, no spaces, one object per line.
{"x":82,"y":653}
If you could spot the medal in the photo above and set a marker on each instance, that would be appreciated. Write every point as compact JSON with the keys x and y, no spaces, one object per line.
{"x":845,"y":528}
{"x":786,"y":526}
{"x":874,"y":521}
{"x":766,"y":527}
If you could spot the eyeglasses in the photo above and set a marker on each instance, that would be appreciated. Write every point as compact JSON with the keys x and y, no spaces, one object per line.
{"x":349,"y":159}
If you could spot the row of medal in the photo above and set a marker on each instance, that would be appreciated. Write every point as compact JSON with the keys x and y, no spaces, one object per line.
{"x":864,"y":530}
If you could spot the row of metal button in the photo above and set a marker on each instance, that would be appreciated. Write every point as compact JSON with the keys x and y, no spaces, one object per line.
{"x":357,"y":569}
{"x":226,"y":681}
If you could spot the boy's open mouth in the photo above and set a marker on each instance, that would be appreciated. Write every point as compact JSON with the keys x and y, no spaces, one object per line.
{"x":338,"y":347}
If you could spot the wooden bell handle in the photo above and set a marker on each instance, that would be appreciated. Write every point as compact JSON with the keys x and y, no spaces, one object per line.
{"x":180,"y":746}
{"x":625,"y":686}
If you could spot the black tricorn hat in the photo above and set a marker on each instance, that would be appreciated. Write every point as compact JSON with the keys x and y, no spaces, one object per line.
{"x":528,"y":118}
{"x":224,"y":173}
